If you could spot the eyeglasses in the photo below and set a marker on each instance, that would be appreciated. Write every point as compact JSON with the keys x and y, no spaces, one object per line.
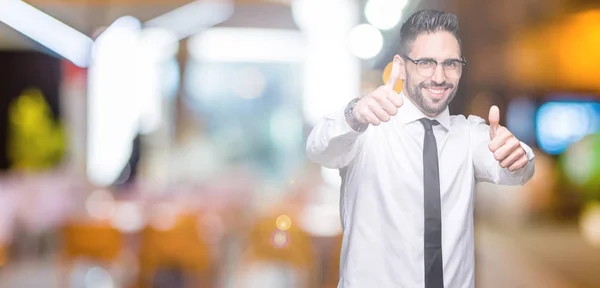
{"x":426,"y":66}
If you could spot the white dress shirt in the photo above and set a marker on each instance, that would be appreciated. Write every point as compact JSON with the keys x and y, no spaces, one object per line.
{"x":382,"y":194}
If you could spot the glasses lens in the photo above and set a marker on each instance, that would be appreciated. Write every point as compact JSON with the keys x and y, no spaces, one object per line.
{"x":426,"y":68}
{"x":453,"y":71}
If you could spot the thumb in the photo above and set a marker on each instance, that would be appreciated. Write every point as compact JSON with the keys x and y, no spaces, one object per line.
{"x":494,"y":119}
{"x":394,"y":74}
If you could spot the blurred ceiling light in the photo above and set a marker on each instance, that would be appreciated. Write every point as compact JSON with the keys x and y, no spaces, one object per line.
{"x":193,"y":17}
{"x":46,"y":30}
{"x":384,"y":14}
{"x":365,"y":41}
{"x":113,"y":119}
{"x":248,"y":45}
{"x":328,"y":61}
{"x":158,"y":44}
{"x":323,"y":16}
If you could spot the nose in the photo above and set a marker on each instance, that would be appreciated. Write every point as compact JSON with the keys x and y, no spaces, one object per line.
{"x":439,"y":76}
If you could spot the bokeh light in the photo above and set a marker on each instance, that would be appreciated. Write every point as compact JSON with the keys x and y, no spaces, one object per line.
{"x":589,"y":224}
{"x":280,"y":239}
{"x":560,"y":124}
{"x":365,"y":41}
{"x":283,"y":222}
{"x":384,"y":14}
{"x":581,"y":165}
{"x":100,"y":204}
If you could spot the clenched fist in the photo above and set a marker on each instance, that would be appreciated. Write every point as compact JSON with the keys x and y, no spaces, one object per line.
{"x":379,"y":105}
{"x":505,"y":146}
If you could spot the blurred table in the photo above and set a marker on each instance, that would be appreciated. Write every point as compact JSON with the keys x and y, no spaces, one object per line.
{"x":549,"y":256}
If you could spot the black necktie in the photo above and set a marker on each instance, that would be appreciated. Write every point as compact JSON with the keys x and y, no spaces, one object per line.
{"x":434,"y":275}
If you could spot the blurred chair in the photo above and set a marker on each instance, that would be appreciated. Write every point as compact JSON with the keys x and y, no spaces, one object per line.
{"x":3,"y":256}
{"x":276,"y":257}
{"x":96,"y":242}
{"x":167,"y":255}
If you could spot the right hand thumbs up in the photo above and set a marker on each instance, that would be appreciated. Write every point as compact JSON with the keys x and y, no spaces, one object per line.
{"x":379,"y":105}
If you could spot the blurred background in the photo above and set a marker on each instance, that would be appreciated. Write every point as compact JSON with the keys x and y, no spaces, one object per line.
{"x":161,"y":143}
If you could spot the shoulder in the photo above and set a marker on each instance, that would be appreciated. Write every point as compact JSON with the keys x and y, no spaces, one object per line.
{"x":471,"y":122}
{"x":471,"y":119}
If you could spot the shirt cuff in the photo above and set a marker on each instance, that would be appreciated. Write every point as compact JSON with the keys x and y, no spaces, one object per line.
{"x":530,"y":156}
{"x":343,"y":127}
{"x":528,"y":151}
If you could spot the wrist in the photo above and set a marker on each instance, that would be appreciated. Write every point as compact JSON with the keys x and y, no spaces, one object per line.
{"x":351,"y":119}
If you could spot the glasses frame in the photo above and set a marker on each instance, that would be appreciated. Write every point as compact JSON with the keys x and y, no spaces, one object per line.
{"x":462,"y":61}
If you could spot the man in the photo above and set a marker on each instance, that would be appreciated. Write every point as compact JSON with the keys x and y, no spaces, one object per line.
{"x":409,"y":169}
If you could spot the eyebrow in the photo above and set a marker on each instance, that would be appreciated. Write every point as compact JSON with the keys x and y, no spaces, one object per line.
{"x":431,"y":59}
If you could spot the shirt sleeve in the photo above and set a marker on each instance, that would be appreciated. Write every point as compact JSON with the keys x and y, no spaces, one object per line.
{"x":332,"y":143}
{"x":487,"y":168}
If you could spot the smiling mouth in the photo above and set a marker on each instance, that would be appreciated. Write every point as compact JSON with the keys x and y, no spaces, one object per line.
{"x":437,"y":93}
{"x":437,"y":90}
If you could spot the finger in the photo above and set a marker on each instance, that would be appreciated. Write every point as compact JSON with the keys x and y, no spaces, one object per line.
{"x":500,"y":139}
{"x":394,"y":75}
{"x":379,"y":112}
{"x":520,"y":163}
{"x":512,"y":157}
{"x":388,"y":106}
{"x":494,"y":118}
{"x":395,"y":98}
{"x":371,"y":118}
{"x":503,"y":152}
{"x":364,"y":115}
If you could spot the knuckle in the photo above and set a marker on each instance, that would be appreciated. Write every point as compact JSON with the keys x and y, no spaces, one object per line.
{"x":497,"y":156}
{"x":514,"y":143}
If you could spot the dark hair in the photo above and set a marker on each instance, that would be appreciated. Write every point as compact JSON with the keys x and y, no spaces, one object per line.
{"x":426,"y":21}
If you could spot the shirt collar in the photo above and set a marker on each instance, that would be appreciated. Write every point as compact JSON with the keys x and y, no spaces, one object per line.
{"x":410,"y":113}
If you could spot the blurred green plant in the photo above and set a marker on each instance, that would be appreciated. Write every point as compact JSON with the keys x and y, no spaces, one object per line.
{"x":581,"y":165}
{"x":35,"y":140}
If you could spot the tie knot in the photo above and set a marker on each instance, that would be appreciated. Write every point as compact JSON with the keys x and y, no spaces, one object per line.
{"x":428,"y":123}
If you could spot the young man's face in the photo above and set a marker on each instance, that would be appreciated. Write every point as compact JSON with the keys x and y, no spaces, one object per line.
{"x":432,"y":87}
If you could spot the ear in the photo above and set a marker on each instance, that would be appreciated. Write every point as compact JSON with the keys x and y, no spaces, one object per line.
{"x":400,"y":61}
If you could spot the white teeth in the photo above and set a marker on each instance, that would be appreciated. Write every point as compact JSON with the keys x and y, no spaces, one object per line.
{"x":436,"y":91}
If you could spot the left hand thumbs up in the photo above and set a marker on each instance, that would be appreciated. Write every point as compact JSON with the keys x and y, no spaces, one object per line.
{"x":494,"y":119}
{"x":505,"y":146}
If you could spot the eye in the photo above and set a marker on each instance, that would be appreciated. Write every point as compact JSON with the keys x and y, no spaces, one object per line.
{"x":426,"y":62}
{"x":451,"y":64}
